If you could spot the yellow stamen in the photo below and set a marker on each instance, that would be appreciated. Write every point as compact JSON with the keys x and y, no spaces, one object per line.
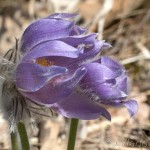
{"x":44,"y":62}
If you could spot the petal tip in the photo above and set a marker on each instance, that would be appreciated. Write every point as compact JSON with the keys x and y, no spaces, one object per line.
{"x":132,"y":107}
{"x":106,"y":115}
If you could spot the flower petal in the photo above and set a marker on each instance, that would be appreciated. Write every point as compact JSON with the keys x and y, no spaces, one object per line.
{"x":63,"y":60}
{"x":52,"y":48}
{"x":91,"y":53}
{"x":43,"y":30}
{"x":112,"y":64}
{"x":86,"y":57}
{"x":82,"y":39}
{"x":31,"y":77}
{"x":56,"y":89}
{"x":97,"y":74}
{"x":108,"y":92}
{"x":100,"y":79}
{"x":132,"y":107}
{"x":122,"y":83}
{"x":76,"y":30}
{"x":81,"y":107}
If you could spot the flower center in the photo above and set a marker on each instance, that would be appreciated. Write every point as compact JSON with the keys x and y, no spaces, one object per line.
{"x":44,"y":62}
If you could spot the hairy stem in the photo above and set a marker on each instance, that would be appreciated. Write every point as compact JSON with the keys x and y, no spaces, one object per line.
{"x":72,"y":133}
{"x":23,"y":136}
{"x":14,"y":141}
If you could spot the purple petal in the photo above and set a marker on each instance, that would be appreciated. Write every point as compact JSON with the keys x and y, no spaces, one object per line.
{"x":132,"y":107}
{"x":56,"y":89}
{"x":85,"y":57}
{"x":98,"y":73}
{"x":122,"y":83}
{"x":72,"y":63}
{"x":52,"y":48}
{"x":81,"y":107}
{"x":110,"y":63}
{"x":31,"y":77}
{"x":43,"y":30}
{"x":101,"y":79}
{"x":93,"y":52}
{"x":77,"y":31}
{"x":108,"y":92}
{"x":82,"y":39}
{"x":72,"y":81}
{"x":107,"y":45}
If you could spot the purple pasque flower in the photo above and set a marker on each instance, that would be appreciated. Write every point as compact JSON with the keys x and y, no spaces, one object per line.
{"x":60,"y":69}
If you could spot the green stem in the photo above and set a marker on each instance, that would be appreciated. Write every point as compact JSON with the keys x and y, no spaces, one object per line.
{"x":72,"y":134}
{"x":14,"y":141}
{"x":23,"y":136}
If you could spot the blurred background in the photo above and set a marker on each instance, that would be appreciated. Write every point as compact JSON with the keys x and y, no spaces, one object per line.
{"x":123,"y":23}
